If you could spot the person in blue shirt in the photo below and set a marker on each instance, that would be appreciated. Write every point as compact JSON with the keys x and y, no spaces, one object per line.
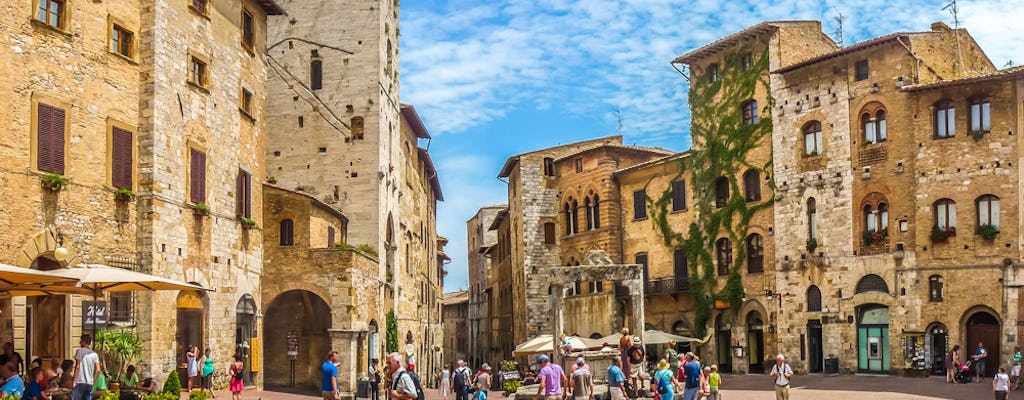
{"x":330,"y":374}
{"x":34,"y":391}
{"x":479,"y":392}
{"x":13,"y":385}
{"x":979,"y":357}
{"x":616,"y":380}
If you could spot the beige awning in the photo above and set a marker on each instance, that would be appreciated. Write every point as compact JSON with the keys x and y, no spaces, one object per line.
{"x":11,"y":276}
{"x":101,"y":278}
{"x":544,"y":344}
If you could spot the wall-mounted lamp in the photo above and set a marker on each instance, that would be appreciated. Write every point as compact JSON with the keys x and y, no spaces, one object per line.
{"x":60,"y":253}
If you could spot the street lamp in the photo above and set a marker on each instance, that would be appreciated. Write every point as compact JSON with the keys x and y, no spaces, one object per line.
{"x":60,"y":253}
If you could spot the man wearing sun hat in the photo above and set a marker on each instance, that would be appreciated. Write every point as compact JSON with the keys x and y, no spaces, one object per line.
{"x":637,"y":359}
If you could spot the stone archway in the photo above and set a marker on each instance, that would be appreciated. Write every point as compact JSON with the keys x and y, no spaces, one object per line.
{"x":191,"y":326}
{"x":982,"y":324}
{"x":245,"y":330}
{"x":755,"y":342}
{"x":304,"y":319}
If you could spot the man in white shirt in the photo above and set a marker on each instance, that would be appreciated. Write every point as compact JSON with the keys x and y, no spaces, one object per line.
{"x":781,"y":373}
{"x":87,"y":368}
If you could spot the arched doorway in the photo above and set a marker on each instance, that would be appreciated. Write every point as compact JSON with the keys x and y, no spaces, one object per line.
{"x":245,"y":329}
{"x":723,"y":342}
{"x":755,"y":342}
{"x":296,"y":327}
{"x":936,"y":340}
{"x":373,"y":342}
{"x":983,"y":326}
{"x":45,"y":318}
{"x":873,"y":338}
{"x":191,"y":330}
{"x":682,"y":328}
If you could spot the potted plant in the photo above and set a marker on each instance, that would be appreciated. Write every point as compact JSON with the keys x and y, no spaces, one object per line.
{"x":248,"y":223}
{"x":200,"y":209}
{"x":118,"y":348}
{"x":124,"y":194}
{"x":977,"y":135}
{"x":53,"y":182}
{"x":940,"y":235}
{"x":988,"y":231}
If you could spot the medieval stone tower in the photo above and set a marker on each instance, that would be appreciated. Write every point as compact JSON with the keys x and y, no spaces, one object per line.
{"x":333,"y":111}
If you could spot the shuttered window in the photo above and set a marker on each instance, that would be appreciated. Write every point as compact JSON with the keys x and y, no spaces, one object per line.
{"x":678,"y":195}
{"x":50,"y":139}
{"x":330,"y":236}
{"x":121,"y":158}
{"x":243,"y":194}
{"x":197,"y":177}
{"x":640,"y":204}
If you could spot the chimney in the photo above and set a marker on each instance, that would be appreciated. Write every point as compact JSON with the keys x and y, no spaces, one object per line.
{"x":940,"y":27}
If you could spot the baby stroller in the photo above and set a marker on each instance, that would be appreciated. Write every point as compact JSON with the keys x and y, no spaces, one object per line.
{"x":963,"y":372}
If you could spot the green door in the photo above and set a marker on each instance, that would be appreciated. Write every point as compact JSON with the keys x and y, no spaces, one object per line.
{"x":873,"y":340}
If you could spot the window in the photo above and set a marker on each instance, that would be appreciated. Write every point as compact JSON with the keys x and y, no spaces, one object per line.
{"x":197,"y":176}
{"x":945,"y":214}
{"x":874,"y":127}
{"x":248,"y":29}
{"x":120,"y":308}
{"x":747,"y":62}
{"x":945,"y":120}
{"x":121,"y":41}
{"x":872,"y":283}
{"x":245,"y":101}
{"x":860,"y":70}
{"x":640,"y":204}
{"x":596,"y":287}
{"x":50,"y":128}
{"x":723,"y":249}
{"x":571,"y":216}
{"x":316,"y":74}
{"x":199,"y":6}
{"x":678,"y":195}
{"x":981,"y":120}
{"x":713,"y":73}
{"x":549,"y":233}
{"x":641,"y":260}
{"x":988,"y":210}
{"x":752,"y":184}
{"x":287,"y":232}
{"x":593,"y":212}
{"x":812,"y":139}
{"x":197,"y":72}
{"x":356,"y":127}
{"x":330,"y":236}
{"x":243,"y":194}
{"x":721,"y":192}
{"x":813,"y":299}
{"x":579,"y":164}
{"x":121,"y":160}
{"x":749,"y":109}
{"x":51,"y":12}
{"x":679,"y":268}
{"x":812,"y":219}
{"x":935,"y":288}
{"x":755,"y":254}
{"x":549,"y":166}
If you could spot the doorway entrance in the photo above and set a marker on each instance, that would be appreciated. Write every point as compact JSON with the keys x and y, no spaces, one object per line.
{"x":45,"y":318}
{"x":191,"y":329}
{"x":296,"y":325}
{"x":983,"y":327}
{"x":723,"y":343}
{"x":873,"y":338}
{"x":755,"y":343}
{"x":937,"y":344}
{"x":815,"y":352}
{"x":245,"y":329}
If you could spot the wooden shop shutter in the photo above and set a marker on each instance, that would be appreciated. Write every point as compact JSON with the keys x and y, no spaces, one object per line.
{"x":121,"y":158}
{"x":197,"y":181}
{"x":50,"y":140}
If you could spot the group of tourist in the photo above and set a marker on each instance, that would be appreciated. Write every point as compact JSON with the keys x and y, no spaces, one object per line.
{"x":402,"y":383}
{"x":465,"y":383}
{"x":202,"y":369}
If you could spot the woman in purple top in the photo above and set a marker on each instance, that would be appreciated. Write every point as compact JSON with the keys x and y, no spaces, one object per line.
{"x":552,"y":379}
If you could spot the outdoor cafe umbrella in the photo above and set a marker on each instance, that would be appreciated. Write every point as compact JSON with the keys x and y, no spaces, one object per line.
{"x":543,"y":344}
{"x":654,"y":337}
{"x":11,"y":276}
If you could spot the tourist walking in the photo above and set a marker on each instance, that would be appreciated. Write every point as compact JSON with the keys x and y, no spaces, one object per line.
{"x":625,"y":343}
{"x":402,"y":385}
{"x":616,"y":380}
{"x":664,"y":382}
{"x":1000,"y":384}
{"x":691,"y":377}
{"x":1015,"y":369}
{"x":552,"y":379}
{"x":951,"y":360}
{"x":672,"y":356}
{"x":637,"y":356}
{"x":445,"y":384}
{"x":483,"y":377}
{"x":191,"y":358}
{"x":374,"y":374}
{"x":582,"y":387}
{"x":208,"y":371}
{"x":781,"y":372}
{"x":329,"y":373}
{"x":980,"y":354}
{"x":235,"y":383}
{"x":580,"y":363}
{"x":714,"y":381}
{"x":87,"y":369}
{"x":460,"y":381}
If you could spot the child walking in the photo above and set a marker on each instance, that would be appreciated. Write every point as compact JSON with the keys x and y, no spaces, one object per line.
{"x":1000,"y":384}
{"x":714,"y":380}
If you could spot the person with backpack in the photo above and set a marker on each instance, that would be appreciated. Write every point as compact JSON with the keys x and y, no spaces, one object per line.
{"x":781,"y":372}
{"x":374,"y":374}
{"x":691,"y":377}
{"x":405,"y":385}
{"x":664,"y":383}
{"x":460,"y":381}
{"x":637,"y":357}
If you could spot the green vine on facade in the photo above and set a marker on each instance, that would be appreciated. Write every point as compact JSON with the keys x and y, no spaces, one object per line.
{"x":392,"y":333}
{"x":722,"y":146}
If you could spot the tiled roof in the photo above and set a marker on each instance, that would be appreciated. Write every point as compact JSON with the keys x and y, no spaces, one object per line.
{"x":655,"y":150}
{"x":642,"y":165}
{"x":725,"y":42}
{"x":1012,"y":72}
{"x":845,"y":50}
{"x":461,"y":296}
{"x":270,"y":7}
{"x":506,"y":169}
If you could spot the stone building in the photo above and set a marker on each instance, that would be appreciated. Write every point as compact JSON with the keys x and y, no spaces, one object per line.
{"x":481,"y":294}
{"x":499,"y":286}
{"x":164,"y":100}
{"x":455,"y":311}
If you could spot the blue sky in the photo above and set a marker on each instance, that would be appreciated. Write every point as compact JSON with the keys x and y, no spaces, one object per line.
{"x":500,"y":77}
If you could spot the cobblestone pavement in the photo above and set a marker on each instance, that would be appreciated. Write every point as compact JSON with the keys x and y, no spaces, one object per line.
{"x":759,"y":387}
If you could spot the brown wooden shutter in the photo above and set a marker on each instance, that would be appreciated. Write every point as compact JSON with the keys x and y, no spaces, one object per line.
{"x":640,"y":204}
{"x":121,"y":158}
{"x":243,"y":194}
{"x":50,"y":139}
{"x":197,"y":191}
{"x":678,"y":195}
{"x":330,"y":236}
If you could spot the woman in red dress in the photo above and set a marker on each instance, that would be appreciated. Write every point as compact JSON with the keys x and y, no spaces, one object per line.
{"x":236,"y":379}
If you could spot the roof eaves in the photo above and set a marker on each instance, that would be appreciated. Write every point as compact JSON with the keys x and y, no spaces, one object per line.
{"x":410,"y":114}
{"x":844,"y":51}
{"x":676,"y":156}
{"x":1012,"y":72}
{"x":435,"y":184}
{"x":506,"y":169}
{"x":270,"y":7}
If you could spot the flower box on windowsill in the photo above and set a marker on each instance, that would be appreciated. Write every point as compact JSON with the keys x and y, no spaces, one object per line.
{"x":942,"y":235}
{"x":124,"y":194}
{"x":200,"y":209}
{"x":53,"y":182}
{"x":248,"y":223}
{"x":977,"y":135}
{"x":988,"y":232}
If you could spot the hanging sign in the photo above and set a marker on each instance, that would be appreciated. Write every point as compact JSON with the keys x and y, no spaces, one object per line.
{"x":94,"y":313}
{"x":293,"y":345}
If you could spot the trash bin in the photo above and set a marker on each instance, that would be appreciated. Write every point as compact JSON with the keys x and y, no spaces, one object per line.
{"x":831,"y":365}
{"x":363,"y":389}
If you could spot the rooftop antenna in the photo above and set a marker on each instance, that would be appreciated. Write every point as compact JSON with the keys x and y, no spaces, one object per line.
{"x":955,"y":10}
{"x":1008,"y":64}
{"x":618,"y":115}
{"x":838,"y":33}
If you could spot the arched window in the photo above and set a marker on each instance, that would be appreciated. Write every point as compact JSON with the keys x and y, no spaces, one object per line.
{"x":812,"y":219}
{"x":587,"y":207}
{"x":571,"y":216}
{"x":749,"y":109}
{"x":872,"y":283}
{"x":813,"y":299}
{"x":874,"y":126}
{"x":755,"y":254}
{"x":935,"y":288}
{"x":979,"y":116}
{"x":868,"y":125}
{"x":724,"y":251}
{"x":988,"y":210}
{"x":813,"y":144}
{"x":752,"y":184}
{"x":945,"y":119}
{"x":721,"y":192}
{"x":870,"y":219}
{"x":883,"y":216}
{"x":287,"y":232}
{"x":880,"y":125}
{"x":593,"y":212}
{"x":945,"y":214}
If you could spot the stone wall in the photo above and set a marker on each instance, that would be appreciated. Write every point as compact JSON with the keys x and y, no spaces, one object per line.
{"x":479,"y":236}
